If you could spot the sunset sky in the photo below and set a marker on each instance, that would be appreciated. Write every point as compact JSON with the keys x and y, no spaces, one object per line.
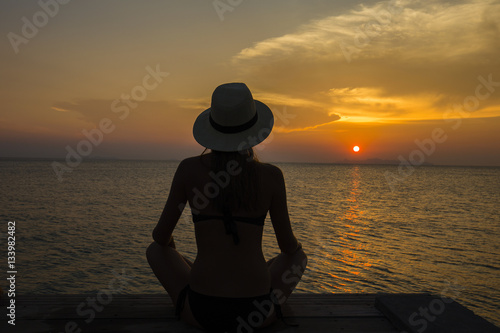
{"x":418,"y":80}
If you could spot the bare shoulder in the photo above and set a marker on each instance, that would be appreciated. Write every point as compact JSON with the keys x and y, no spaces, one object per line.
{"x":192,"y":161}
{"x":268,"y":167}
{"x":189,"y":161}
{"x":190,"y":165}
{"x":270,"y":171}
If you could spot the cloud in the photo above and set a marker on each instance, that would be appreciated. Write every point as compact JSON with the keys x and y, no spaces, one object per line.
{"x":393,"y":61}
{"x":294,"y":114}
{"x":365,"y":104}
{"x":282,"y":129}
{"x":427,"y":30}
{"x":59,"y":109}
{"x":146,"y":121}
{"x":199,"y":104}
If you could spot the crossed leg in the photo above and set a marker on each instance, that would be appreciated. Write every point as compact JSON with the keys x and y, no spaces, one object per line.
{"x":172,"y":270}
{"x":286,"y":272}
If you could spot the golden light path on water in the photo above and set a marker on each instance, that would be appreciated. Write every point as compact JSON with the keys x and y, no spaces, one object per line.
{"x":352,"y":224}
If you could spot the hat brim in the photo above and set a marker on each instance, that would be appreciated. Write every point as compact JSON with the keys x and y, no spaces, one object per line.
{"x":209,"y":137}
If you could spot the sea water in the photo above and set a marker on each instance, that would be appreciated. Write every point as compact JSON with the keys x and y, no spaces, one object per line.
{"x":437,"y":230}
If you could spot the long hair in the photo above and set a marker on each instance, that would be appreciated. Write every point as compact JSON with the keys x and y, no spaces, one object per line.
{"x":237,"y":180}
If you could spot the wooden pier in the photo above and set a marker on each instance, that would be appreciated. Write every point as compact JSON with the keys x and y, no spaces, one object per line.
{"x":154,"y":313}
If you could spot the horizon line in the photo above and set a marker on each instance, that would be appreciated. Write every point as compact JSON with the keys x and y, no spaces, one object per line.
{"x":370,"y":161}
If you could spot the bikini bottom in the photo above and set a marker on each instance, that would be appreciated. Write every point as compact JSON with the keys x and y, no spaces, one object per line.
{"x":228,"y":314}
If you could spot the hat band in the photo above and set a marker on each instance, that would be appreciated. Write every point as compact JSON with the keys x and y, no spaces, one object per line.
{"x":234,"y":129}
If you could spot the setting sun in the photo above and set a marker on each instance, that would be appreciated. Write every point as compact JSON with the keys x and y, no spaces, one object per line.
{"x":355,"y":148}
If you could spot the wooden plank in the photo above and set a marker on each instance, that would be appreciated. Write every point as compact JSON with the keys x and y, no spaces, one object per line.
{"x":101,"y":325}
{"x":344,"y":325}
{"x":355,"y":313}
{"x":157,"y":306}
{"x":431,"y":314}
{"x":157,"y":325}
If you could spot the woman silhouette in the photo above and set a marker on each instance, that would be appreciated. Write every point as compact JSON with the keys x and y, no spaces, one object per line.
{"x":230,"y":286}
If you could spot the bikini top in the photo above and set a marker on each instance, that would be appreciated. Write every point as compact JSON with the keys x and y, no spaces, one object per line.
{"x":229,"y":222}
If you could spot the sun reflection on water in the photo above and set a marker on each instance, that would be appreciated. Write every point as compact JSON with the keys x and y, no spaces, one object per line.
{"x":350,"y":258}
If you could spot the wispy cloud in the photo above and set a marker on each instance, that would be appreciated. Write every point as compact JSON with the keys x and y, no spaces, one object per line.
{"x":368,"y":104}
{"x":198,"y":104}
{"x":59,"y":109}
{"x":285,"y":99}
{"x":282,"y":129}
{"x":147,"y":121}
{"x":416,"y":30}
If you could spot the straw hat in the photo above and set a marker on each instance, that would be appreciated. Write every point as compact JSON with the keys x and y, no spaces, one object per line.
{"x":235,"y":121}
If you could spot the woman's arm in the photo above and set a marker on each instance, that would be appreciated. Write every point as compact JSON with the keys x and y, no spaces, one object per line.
{"x":174,"y":206}
{"x":278,"y":211}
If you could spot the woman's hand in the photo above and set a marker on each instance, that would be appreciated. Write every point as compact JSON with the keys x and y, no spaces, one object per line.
{"x":299,"y":246}
{"x":171,"y":242}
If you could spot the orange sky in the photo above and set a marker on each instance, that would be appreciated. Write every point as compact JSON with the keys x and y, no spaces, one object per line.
{"x":381,"y":75}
